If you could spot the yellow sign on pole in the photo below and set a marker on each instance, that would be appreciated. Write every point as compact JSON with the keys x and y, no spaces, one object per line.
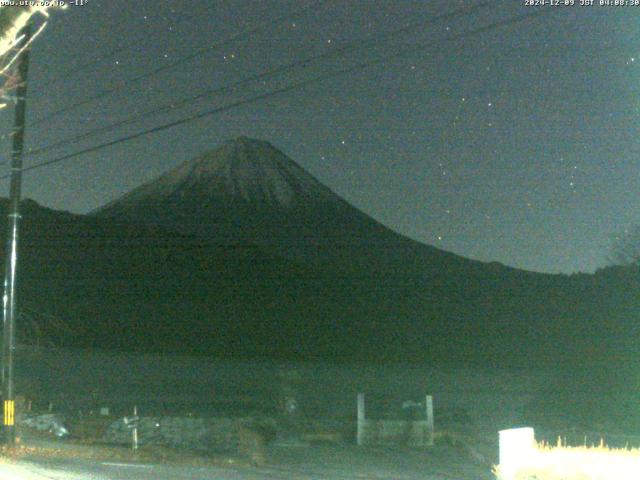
{"x":9,"y":412}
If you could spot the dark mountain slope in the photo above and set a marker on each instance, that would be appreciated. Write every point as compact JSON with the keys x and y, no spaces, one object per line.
{"x":248,"y":192}
{"x":309,"y":276}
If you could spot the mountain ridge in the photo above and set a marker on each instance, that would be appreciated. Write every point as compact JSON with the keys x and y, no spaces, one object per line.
{"x":326,"y":283}
{"x":224,"y":196}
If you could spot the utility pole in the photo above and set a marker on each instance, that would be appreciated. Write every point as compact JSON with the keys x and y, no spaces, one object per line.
{"x":11,"y":252}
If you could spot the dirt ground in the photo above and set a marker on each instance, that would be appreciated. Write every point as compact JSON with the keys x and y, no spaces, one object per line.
{"x":448,"y":459}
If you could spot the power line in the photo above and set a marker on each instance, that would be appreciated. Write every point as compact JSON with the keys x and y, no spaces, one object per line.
{"x":111,"y":53}
{"x":195,"y":54}
{"x":288,"y":88}
{"x":261,"y":76}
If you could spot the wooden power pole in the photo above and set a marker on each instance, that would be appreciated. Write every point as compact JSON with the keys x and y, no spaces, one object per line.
{"x":11,"y":251}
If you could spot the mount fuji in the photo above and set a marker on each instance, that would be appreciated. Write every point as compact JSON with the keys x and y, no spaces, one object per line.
{"x":242,"y":253}
{"x":248,"y":192}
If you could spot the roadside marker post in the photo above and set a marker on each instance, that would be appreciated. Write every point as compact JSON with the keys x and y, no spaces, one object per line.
{"x":9,"y":413}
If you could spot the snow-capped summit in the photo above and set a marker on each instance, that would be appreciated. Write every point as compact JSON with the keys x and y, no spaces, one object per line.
{"x":248,"y":192}
{"x":245,"y":189}
{"x":242,"y":171}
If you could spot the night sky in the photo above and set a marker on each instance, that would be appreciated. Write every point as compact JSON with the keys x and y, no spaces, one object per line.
{"x":515,"y":144}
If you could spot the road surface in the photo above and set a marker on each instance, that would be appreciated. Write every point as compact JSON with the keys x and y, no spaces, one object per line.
{"x":315,"y":463}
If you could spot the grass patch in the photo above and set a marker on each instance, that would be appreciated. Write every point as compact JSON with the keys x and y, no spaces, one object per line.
{"x":576,"y":463}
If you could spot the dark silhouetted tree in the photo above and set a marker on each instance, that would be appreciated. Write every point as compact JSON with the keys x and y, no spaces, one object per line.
{"x":625,"y":249}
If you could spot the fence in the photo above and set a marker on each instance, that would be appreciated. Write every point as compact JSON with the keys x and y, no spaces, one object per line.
{"x":409,"y":431}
